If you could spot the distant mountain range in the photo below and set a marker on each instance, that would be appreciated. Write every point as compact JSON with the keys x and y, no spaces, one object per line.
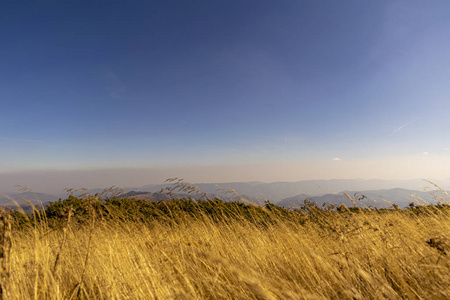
{"x":277,"y":191}
{"x":165,"y":197}
{"x":373,"y":198}
{"x":378,"y":193}
{"x":26,"y":197}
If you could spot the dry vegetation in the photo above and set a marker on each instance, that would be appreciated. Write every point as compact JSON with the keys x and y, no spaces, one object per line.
{"x":214,"y":250}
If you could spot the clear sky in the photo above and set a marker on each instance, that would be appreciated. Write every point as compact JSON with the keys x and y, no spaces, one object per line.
{"x":248,"y":90}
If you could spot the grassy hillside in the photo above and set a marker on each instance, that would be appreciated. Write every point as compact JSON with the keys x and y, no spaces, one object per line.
{"x":91,"y":248}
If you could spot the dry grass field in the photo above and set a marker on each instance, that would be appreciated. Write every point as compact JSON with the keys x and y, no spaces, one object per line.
{"x":264,"y":253}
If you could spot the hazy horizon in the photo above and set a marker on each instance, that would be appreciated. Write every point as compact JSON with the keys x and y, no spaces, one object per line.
{"x":55,"y":181}
{"x":131,"y":93}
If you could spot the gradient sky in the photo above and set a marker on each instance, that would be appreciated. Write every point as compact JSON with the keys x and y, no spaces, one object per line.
{"x":254,"y":90}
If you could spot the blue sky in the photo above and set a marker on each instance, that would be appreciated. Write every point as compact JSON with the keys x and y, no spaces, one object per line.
{"x":331,"y":89}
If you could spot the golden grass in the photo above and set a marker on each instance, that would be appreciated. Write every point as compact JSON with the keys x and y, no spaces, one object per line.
{"x":361,"y":255}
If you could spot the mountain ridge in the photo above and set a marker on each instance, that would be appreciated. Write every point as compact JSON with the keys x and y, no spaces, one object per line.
{"x":279,"y":192}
